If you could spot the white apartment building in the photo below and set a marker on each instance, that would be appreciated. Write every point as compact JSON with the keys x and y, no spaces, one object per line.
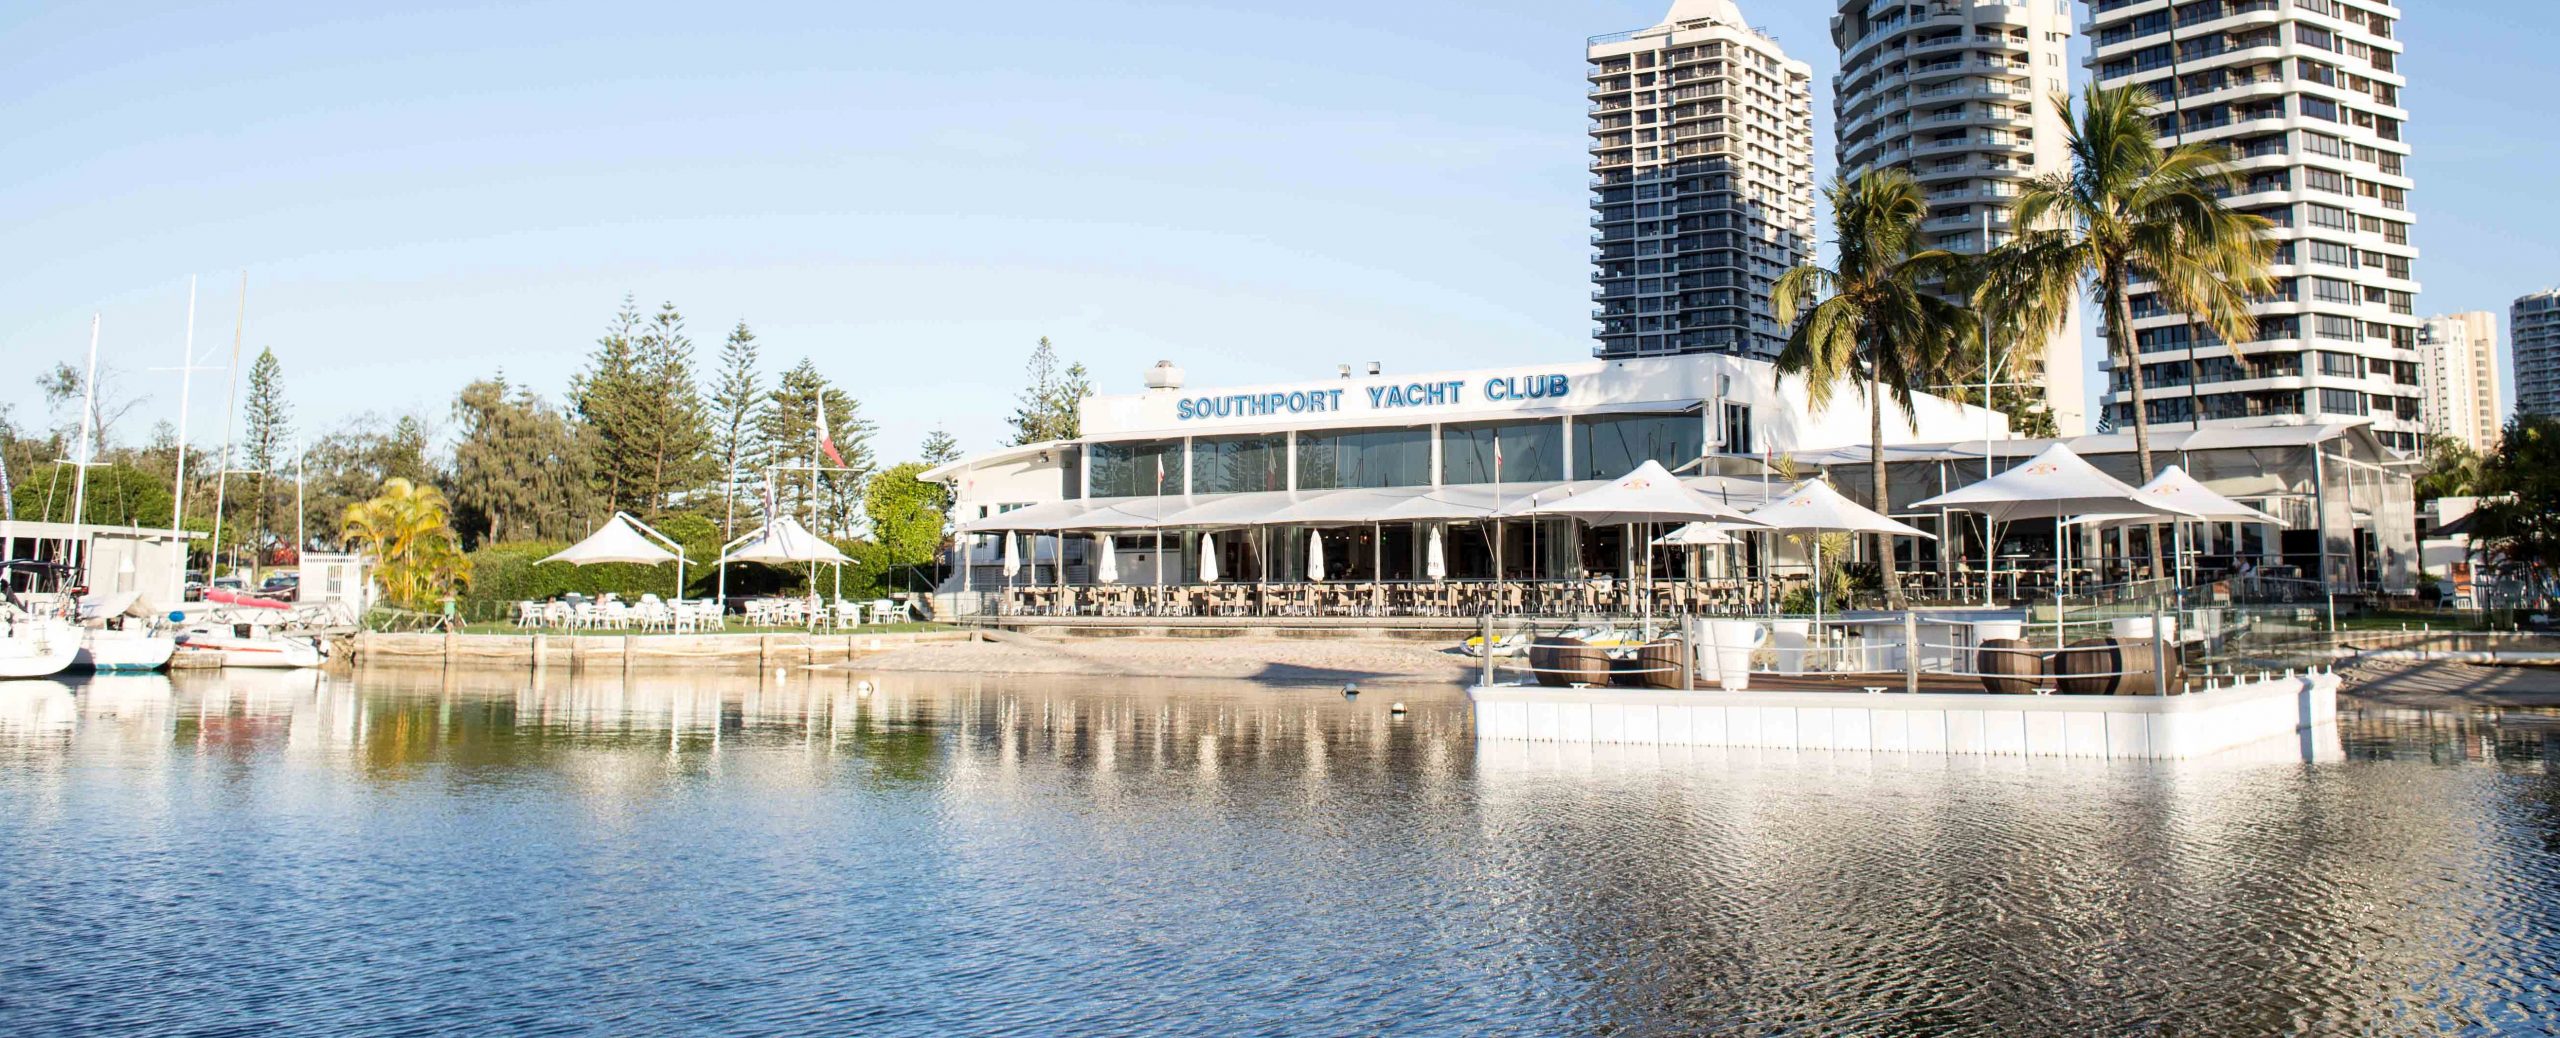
{"x":1958,"y":92}
{"x":2306,"y":94}
{"x":1702,"y":183}
{"x":2534,"y":323}
{"x":2458,"y":375}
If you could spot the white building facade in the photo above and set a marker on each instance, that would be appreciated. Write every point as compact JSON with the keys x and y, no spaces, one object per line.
{"x":1702,"y":183}
{"x":2458,"y":372}
{"x":1232,"y":455}
{"x":1959,"y":93}
{"x":2306,"y":95}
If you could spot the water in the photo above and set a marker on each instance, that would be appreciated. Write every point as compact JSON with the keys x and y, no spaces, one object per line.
{"x":408,"y":854}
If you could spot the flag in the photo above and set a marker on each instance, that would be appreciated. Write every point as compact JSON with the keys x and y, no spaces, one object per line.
{"x":1497,"y":457}
{"x":1159,"y":474}
{"x":827,"y":440}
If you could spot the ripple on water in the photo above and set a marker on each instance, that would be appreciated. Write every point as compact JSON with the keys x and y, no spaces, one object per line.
{"x":955,"y":854}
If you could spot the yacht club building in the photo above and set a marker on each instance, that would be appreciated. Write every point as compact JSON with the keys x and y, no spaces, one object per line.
{"x":1374,"y":460}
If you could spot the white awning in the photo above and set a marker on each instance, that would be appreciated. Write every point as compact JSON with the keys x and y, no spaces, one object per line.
{"x":2174,"y":488}
{"x":786,"y":541}
{"x":1650,"y":494}
{"x":619,"y":540}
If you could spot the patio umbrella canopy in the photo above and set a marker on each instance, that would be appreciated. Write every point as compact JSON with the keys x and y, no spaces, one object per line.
{"x":1650,"y":494}
{"x":1812,"y":505}
{"x":1208,"y":558}
{"x":1695,"y":535}
{"x":1012,"y":561}
{"x":1315,"y":557}
{"x":2175,"y":489}
{"x":1109,"y":570}
{"x":1436,"y":566}
{"x":786,"y":541}
{"x":2053,"y":485}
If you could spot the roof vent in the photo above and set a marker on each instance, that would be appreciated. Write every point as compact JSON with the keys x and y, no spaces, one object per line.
{"x":1164,"y":376}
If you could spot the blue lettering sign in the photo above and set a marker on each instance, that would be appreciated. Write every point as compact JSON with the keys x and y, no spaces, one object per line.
{"x":1500,"y":388}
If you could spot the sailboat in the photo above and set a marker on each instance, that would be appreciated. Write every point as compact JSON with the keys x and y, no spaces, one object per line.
{"x":114,"y":638}
{"x":33,"y":642}
{"x":251,"y":644}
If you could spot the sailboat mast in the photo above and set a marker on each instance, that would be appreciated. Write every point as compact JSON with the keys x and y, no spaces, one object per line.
{"x":88,"y":450}
{"x":186,"y":381}
{"x":230,"y":411}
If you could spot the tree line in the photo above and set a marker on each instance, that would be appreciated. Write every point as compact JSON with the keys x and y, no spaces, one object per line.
{"x":508,"y":469}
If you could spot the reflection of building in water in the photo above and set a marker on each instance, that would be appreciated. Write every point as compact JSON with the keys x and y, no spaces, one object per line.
{"x":1754,"y":888}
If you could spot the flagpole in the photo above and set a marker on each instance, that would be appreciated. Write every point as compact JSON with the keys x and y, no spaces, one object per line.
{"x":817,"y":440}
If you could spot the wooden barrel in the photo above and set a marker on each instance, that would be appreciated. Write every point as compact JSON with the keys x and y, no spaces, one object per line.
{"x":1661,"y":662}
{"x":2008,"y":665}
{"x":1583,"y":665}
{"x":1546,"y":660}
{"x":2106,"y":666}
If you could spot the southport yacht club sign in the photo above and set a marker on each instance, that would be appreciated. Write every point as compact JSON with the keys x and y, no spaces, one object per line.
{"x":1499,"y":389}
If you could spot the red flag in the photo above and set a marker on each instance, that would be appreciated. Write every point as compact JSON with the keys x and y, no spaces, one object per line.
{"x":826,"y":440}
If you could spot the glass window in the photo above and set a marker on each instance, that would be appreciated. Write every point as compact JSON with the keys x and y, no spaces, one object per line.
{"x":1364,"y":458}
{"x":1139,"y":468}
{"x":1239,"y":464}
{"x":1532,"y":452}
{"x":1607,"y":448}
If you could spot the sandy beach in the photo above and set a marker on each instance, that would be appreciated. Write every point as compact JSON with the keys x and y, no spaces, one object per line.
{"x":1270,"y":660}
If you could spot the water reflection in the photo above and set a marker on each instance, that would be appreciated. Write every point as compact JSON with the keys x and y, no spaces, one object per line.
{"x":898,"y":854}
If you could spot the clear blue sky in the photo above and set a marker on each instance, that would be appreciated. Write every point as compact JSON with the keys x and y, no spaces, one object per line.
{"x":911,"y":194}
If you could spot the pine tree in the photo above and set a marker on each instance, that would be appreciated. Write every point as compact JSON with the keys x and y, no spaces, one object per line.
{"x":734,"y":407}
{"x":269,"y":422}
{"x":675,"y":431}
{"x":940,"y":448}
{"x":604,"y":398}
{"x":1050,"y":401}
{"x":787,"y":431}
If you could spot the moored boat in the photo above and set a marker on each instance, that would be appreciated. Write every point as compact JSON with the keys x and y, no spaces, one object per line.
{"x":252,"y":645}
{"x":36,"y":646}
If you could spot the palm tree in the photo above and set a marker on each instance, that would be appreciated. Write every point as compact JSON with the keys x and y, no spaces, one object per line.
{"x":2130,"y":210}
{"x":408,"y":532}
{"x":1872,"y":316}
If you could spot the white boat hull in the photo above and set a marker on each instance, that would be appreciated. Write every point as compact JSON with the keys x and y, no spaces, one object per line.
{"x":37,"y":648}
{"x":257,"y":651}
{"x":104,"y":650}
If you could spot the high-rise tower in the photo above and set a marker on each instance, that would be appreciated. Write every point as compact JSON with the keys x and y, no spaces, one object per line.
{"x":2306,"y":95}
{"x":2458,"y":376}
{"x":1959,"y":93}
{"x":2534,"y":326}
{"x":1702,"y":183}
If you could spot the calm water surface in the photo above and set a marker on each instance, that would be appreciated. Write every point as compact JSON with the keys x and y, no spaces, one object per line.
{"x":413,"y":854}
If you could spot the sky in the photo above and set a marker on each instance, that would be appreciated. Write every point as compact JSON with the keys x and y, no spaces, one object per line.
{"x":911,"y":195}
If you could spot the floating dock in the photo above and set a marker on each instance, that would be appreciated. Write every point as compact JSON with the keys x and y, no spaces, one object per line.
{"x":2175,"y":727}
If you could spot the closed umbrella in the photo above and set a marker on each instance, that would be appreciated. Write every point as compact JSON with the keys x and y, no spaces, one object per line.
{"x":1012,"y":561}
{"x":1436,"y":564}
{"x":1208,"y":558}
{"x":1109,"y":571}
{"x":1315,"y":556}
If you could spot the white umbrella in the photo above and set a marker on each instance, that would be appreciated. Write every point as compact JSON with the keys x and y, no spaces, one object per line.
{"x":1435,"y":565}
{"x":2173,"y":487}
{"x":1109,"y":571}
{"x":1813,"y":507}
{"x":2054,"y":484}
{"x":1012,"y":561}
{"x":1315,"y":556}
{"x":1695,"y":535}
{"x":625,"y":539}
{"x":1650,"y":494}
{"x":1208,"y":558}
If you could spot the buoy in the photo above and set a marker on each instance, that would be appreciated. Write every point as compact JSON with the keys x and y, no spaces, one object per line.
{"x":1396,"y":708}
{"x":1351,"y":690}
{"x":862,"y":690}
